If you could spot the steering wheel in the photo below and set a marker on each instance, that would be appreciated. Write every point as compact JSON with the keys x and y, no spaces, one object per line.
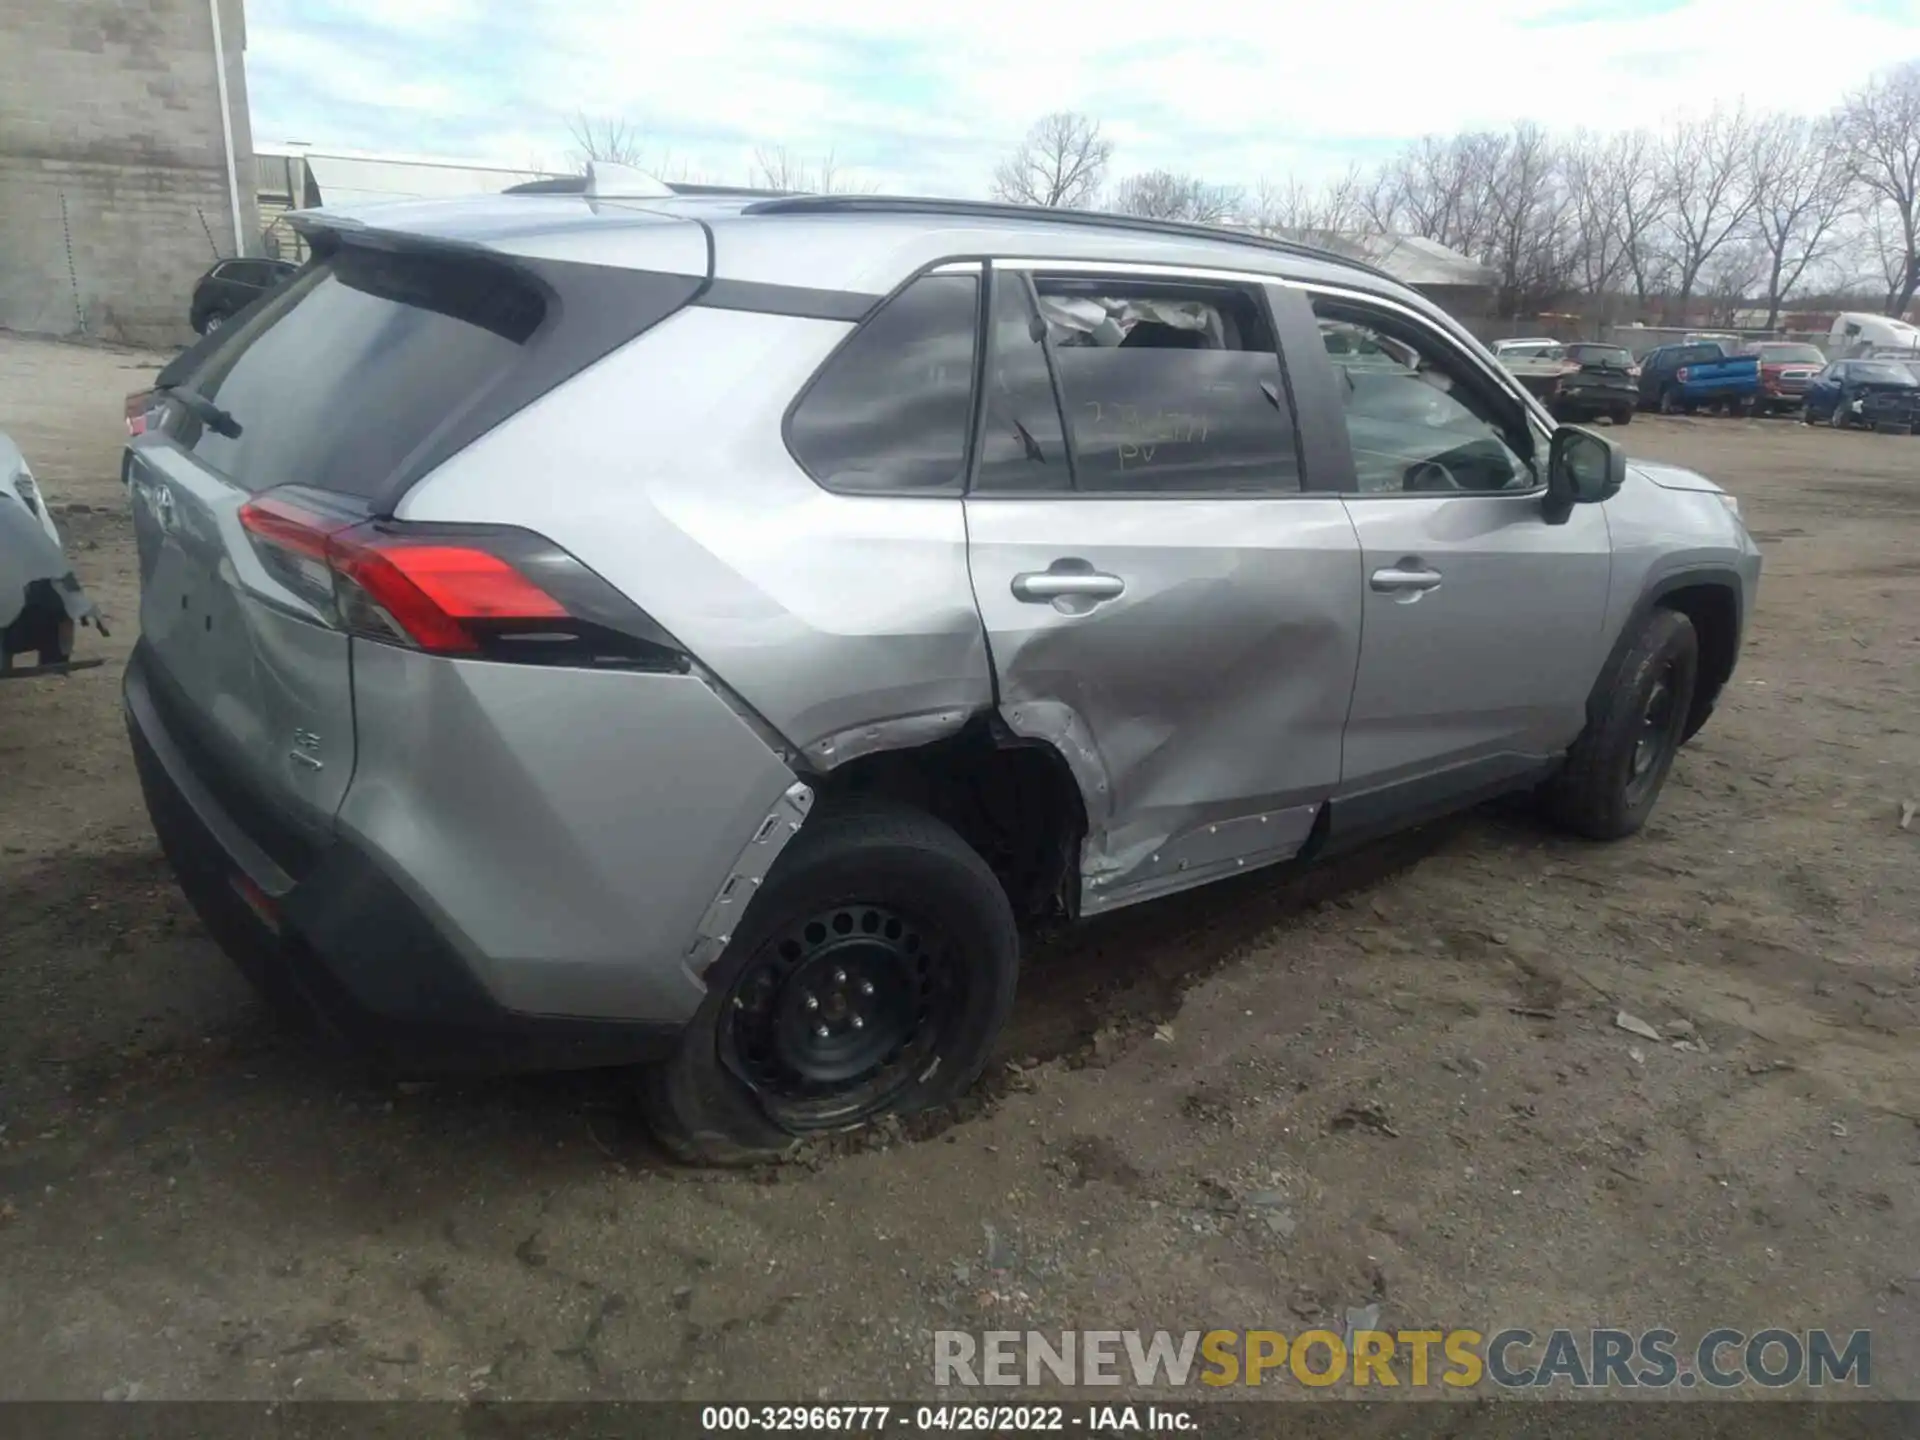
{"x":1429,"y":477}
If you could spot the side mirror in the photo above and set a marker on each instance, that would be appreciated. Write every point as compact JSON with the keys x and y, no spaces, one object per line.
{"x":1582,"y":469}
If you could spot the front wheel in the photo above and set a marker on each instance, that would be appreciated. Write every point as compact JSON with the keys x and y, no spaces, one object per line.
{"x":869,"y":977}
{"x":1616,"y":768}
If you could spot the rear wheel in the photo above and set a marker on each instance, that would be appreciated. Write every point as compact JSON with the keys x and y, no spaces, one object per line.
{"x":870,"y":977}
{"x":1616,"y":768}
{"x":1623,"y":414}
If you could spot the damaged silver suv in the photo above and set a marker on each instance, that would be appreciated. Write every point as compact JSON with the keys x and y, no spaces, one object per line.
{"x":701,"y":632}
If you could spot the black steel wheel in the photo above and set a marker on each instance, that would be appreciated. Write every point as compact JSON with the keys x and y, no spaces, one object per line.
{"x":830,"y":1021}
{"x":869,"y":976}
{"x":1658,"y":735}
{"x":1636,"y":722}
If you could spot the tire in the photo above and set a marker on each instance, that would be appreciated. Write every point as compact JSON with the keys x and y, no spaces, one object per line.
{"x":872,"y":889}
{"x":1623,"y":415}
{"x":1609,"y":784}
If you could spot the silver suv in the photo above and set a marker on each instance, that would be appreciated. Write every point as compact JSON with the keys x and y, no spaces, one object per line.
{"x":703,"y":632}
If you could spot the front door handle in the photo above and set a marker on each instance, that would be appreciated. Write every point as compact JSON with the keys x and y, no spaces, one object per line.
{"x":1405,"y":579}
{"x":1041,"y":587}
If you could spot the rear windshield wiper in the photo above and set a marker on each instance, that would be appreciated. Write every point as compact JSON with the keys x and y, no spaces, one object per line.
{"x":216,"y":419}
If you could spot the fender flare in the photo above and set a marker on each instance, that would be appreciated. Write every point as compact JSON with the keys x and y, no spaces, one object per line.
{"x":1691,"y":577}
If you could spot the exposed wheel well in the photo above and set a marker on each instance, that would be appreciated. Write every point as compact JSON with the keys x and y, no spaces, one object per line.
{"x":1715,"y":614}
{"x":1013,"y":800}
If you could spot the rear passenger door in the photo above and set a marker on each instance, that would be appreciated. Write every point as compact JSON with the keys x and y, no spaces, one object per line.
{"x":1164,"y":603}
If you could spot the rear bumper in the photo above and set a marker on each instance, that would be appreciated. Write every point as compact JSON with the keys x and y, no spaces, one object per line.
{"x":345,"y":947}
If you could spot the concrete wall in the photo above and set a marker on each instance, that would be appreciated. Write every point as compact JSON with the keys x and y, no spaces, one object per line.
{"x":113,"y":177}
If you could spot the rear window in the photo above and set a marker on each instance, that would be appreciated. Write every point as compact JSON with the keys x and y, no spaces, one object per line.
{"x":355,"y":365}
{"x":1601,"y":354}
{"x":1882,"y":372}
{"x":1790,"y":355}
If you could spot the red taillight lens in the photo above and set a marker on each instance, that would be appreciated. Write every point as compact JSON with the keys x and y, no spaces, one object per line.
{"x":1681,"y":374}
{"x":451,"y":589}
{"x":430,"y":591}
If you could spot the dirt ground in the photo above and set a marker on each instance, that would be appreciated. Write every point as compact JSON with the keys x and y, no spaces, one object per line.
{"x":1399,"y":1082}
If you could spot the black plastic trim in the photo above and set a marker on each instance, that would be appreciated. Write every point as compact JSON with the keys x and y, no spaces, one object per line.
{"x":1721,"y":576}
{"x":1371,"y":814}
{"x":795,"y":300}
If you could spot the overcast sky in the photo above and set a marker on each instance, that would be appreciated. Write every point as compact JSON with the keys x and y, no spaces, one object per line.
{"x":925,"y":97}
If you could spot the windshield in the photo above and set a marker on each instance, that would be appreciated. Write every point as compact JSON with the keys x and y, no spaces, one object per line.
{"x":1884,"y":372}
{"x":1790,"y":354}
{"x":1601,"y":354}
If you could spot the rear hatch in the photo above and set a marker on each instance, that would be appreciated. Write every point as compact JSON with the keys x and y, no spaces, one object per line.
{"x":337,"y":391}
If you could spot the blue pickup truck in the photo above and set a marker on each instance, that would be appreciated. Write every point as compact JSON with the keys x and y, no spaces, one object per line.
{"x":1679,"y":379}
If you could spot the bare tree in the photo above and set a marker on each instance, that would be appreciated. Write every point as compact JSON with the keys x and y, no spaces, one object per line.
{"x":1707,"y":166}
{"x":1635,"y":171}
{"x":1062,"y":161}
{"x":1347,"y":206}
{"x":1527,"y":225}
{"x":617,"y":142}
{"x":1879,"y":125}
{"x":1440,"y":188}
{"x":1595,"y":192}
{"x":1802,"y":189}
{"x":1736,"y":270}
{"x":776,"y":167}
{"x":1165,"y":195}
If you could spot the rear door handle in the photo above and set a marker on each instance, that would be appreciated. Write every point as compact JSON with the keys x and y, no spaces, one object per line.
{"x":1041,"y":586}
{"x":1405,"y":579}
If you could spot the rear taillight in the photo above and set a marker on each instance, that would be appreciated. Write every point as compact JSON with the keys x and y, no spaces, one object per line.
{"x":1681,"y":374}
{"x":490,"y":592}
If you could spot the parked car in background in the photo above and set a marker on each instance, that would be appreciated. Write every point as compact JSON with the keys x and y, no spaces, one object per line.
{"x":1183,"y":553}
{"x":1679,"y":379}
{"x":1872,"y":394}
{"x":1539,"y":348}
{"x":230,"y":286}
{"x":1606,"y":382}
{"x":41,"y":601}
{"x":1786,"y":368}
{"x":1579,"y":380}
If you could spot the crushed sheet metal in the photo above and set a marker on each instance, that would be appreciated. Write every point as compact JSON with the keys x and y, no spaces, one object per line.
{"x":770,"y":837}
{"x":899,"y":733}
{"x":27,"y":555}
{"x":1207,"y":852}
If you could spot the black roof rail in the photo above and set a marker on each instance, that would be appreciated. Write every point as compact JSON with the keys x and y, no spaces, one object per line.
{"x":1098,"y":219}
{"x":577,"y":185}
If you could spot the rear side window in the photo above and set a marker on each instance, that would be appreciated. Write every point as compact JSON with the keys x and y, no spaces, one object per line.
{"x":1169,"y":387}
{"x":888,"y":413}
{"x":355,"y":365}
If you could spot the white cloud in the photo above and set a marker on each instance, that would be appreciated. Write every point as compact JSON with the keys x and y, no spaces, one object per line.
{"x":928,"y":97}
